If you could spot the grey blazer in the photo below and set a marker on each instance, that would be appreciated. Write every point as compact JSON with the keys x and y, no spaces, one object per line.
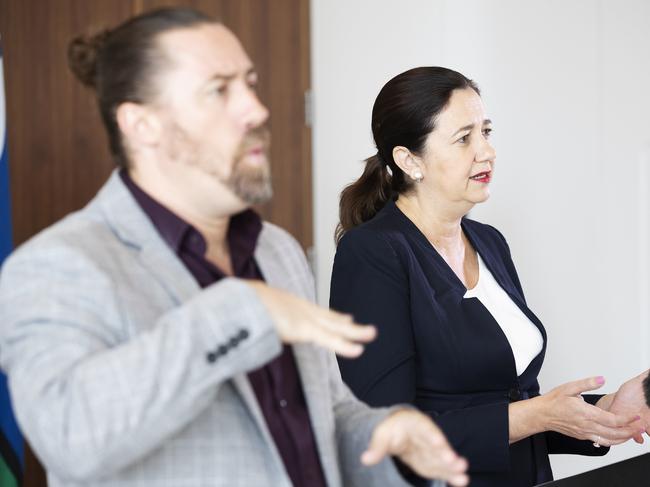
{"x":104,"y":336}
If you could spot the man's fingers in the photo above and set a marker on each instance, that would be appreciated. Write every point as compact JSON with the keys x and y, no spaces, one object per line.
{"x":458,"y":480}
{"x":446,"y":466}
{"x":378,"y":447}
{"x":579,"y":386}
{"x":344,"y":326}
{"x":335,"y":343}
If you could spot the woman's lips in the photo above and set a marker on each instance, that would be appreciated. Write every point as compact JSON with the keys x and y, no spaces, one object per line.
{"x":482,"y":177}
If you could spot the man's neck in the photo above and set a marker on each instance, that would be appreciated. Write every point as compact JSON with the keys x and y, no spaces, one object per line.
{"x":204,"y":214}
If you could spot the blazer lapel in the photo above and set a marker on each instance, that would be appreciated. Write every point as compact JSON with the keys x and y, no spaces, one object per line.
{"x":133,"y":227}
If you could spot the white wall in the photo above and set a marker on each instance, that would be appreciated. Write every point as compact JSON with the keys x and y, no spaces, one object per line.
{"x":567,"y":86}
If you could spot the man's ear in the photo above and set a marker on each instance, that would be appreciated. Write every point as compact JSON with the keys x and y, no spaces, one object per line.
{"x":139,"y":125}
{"x":407,"y":162}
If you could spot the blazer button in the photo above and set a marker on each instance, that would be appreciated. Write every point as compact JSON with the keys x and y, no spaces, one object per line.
{"x":211,"y":357}
{"x":222,"y":350}
{"x":514,"y":394}
{"x":234,"y":341}
{"x":243,"y":334}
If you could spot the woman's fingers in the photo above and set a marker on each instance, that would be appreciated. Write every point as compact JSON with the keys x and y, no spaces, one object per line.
{"x":608,"y":429}
{"x":579,"y":386}
{"x":612,"y":420}
{"x":613,"y":436}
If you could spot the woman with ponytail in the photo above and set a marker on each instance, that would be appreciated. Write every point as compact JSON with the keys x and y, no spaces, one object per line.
{"x":455,"y":336}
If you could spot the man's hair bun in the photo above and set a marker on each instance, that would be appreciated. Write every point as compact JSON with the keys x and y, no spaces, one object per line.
{"x":83,"y":52}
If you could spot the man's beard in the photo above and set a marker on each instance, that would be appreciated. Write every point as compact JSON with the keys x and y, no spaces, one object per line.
{"x":252,"y":184}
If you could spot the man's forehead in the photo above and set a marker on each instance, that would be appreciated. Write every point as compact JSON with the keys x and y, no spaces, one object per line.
{"x":207,"y":49}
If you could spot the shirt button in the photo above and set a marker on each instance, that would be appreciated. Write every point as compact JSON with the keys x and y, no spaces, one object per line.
{"x":283,"y":403}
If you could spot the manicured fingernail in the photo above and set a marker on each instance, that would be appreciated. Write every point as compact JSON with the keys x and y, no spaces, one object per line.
{"x":600,"y":379}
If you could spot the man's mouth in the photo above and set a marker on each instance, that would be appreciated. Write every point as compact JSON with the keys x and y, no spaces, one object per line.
{"x":255,"y":151}
{"x":482,"y":177}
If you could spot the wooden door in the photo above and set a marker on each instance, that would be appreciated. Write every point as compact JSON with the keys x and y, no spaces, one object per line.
{"x":58,"y":154}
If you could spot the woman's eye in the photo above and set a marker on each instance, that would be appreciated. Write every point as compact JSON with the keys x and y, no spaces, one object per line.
{"x":463,"y":139}
{"x":487,"y":132}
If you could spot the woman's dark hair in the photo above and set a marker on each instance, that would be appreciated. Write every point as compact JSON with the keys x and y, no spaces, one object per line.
{"x":404,"y":114}
{"x":646,"y":389}
{"x":120,"y":64}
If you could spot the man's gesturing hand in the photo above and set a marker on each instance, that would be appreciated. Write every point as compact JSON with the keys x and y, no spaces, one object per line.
{"x":299,"y":321}
{"x":418,"y":442}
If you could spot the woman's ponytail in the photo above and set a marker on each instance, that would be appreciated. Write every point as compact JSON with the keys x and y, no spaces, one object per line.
{"x":361,"y":200}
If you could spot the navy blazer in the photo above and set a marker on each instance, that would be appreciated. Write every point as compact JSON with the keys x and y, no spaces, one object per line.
{"x":440,"y":352}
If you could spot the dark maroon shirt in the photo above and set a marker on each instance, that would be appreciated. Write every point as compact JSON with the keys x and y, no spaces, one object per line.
{"x":277,"y":385}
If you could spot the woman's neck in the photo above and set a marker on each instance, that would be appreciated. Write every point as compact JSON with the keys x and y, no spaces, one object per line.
{"x":438,"y":222}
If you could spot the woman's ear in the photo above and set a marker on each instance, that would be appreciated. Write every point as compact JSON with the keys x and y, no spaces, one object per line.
{"x":408,"y":162}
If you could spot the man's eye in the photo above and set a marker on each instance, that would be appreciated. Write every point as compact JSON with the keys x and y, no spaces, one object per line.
{"x":252,"y":83}
{"x":221,"y":89}
{"x":463,"y":139}
{"x":487,"y":132}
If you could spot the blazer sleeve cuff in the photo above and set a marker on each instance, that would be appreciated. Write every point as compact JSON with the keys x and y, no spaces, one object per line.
{"x":237,"y":333}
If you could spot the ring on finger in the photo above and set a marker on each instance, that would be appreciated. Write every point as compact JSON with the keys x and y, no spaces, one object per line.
{"x":597,"y":442}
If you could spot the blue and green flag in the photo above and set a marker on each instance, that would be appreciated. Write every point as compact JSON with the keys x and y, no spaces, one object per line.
{"x":11,"y":442}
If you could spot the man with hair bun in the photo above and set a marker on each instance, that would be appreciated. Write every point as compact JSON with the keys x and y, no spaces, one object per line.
{"x":164,"y":335}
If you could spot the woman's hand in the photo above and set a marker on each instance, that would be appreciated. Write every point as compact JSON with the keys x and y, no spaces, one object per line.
{"x":564,"y":410}
{"x":630,"y":399}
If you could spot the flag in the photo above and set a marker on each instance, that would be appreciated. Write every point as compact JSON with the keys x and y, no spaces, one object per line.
{"x":11,"y":442}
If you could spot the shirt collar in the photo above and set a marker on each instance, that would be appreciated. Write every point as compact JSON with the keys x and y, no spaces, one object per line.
{"x":243,"y":231}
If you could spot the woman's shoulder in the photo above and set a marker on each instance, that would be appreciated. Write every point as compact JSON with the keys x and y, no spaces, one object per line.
{"x":364,"y":239}
{"x":383,"y":231}
{"x":483,"y":229}
{"x":368,"y":248}
{"x":485,"y":235}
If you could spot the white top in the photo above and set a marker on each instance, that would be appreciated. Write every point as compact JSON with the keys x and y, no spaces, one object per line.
{"x":525,"y":338}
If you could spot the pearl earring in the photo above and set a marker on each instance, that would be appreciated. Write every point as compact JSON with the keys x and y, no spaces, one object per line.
{"x":417,"y":176}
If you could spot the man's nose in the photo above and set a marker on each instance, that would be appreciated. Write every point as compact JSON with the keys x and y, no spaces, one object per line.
{"x":257,"y":114}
